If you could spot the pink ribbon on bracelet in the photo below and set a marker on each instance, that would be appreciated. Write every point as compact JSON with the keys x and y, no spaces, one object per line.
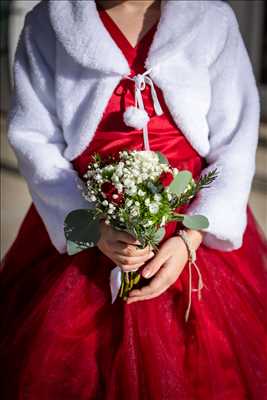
{"x":191,"y":261}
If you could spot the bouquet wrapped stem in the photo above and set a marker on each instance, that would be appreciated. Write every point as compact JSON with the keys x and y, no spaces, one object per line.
{"x":129,"y":279}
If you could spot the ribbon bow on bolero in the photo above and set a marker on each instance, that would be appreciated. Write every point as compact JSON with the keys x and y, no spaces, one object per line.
{"x":136,"y":116}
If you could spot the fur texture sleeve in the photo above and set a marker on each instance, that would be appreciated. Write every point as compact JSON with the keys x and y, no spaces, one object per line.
{"x":234,"y":128}
{"x":34,"y":131}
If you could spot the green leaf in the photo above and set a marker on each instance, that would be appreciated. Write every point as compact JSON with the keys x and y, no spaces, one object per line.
{"x":74,"y":248}
{"x":207,"y":179}
{"x":82,"y":227}
{"x":176,"y":217}
{"x":162,"y":158}
{"x":159,"y":234}
{"x":195,"y":221}
{"x":152,"y":188}
{"x":180,"y":182}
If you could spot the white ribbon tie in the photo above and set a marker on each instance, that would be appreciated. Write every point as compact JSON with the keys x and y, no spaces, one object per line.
{"x":140,"y":81}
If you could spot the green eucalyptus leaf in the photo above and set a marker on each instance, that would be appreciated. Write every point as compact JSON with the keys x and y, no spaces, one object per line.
{"x":159,"y":234}
{"x":195,"y":221}
{"x":162,"y":158}
{"x":176,"y":217}
{"x":82,"y":227}
{"x":152,"y":188}
{"x":180,"y":182}
{"x":74,"y":248}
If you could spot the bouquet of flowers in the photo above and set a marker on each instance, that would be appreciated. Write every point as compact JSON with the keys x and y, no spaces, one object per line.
{"x":137,"y":192}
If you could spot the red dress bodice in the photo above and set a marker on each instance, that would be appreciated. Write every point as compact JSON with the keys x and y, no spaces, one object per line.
{"x":113,"y":135}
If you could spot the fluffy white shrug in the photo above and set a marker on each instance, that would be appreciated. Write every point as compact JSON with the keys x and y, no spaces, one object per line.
{"x":66,"y":68}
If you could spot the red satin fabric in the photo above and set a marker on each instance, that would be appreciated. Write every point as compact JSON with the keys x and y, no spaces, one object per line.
{"x":61,"y":338}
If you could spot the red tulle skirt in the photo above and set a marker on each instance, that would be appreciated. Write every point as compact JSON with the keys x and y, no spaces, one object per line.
{"x":61,"y":338}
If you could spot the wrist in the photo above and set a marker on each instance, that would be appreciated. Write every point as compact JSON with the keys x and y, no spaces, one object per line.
{"x":195,"y":237}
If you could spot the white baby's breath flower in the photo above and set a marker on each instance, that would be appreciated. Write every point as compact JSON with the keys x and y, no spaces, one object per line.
{"x":115,"y":178}
{"x":105,"y":203}
{"x":141,"y":192}
{"x":119,"y":173}
{"x":169,"y":196}
{"x":128,"y":182}
{"x":98,"y":177}
{"x":93,"y":198}
{"x":144,"y":176}
{"x":119,"y":187}
{"x":157,"y":196}
{"x":165,"y":167}
{"x":134,"y":212}
{"x":147,"y":201}
{"x":129,"y":202}
{"x":135,"y":172}
{"x":153,"y":208}
{"x":132,"y":190}
{"x":148,"y":223}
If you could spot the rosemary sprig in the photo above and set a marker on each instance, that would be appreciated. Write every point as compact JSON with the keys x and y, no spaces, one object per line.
{"x":207,"y":179}
{"x":203,"y":182}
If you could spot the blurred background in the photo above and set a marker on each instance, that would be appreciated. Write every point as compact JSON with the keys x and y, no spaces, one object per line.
{"x":15,"y":199}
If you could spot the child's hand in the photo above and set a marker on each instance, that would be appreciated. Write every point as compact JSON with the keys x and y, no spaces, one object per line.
{"x":166,"y":268}
{"x":121,"y":248}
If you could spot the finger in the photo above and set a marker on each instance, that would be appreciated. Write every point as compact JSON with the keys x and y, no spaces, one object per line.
{"x":130,"y":250}
{"x":134,"y":258}
{"x":125,"y":237}
{"x":154,"y":265}
{"x":149,"y":297}
{"x":161,"y":281}
{"x":134,"y":267}
{"x":127,"y":262}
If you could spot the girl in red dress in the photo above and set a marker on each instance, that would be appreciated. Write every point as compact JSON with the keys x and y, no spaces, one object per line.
{"x":61,"y":338}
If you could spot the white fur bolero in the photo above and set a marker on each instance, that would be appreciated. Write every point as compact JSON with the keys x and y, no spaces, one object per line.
{"x":66,"y":68}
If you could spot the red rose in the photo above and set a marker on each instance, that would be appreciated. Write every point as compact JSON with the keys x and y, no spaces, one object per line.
{"x":166,"y":178}
{"x":108,"y":189}
{"x":119,"y":200}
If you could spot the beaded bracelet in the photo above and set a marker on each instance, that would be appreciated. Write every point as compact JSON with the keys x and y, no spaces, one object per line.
{"x":192,"y":261}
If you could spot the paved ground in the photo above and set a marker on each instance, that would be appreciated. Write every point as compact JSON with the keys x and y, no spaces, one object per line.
{"x":15,"y":199}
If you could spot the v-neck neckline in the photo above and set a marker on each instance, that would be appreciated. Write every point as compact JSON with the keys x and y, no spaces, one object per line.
{"x":104,"y":14}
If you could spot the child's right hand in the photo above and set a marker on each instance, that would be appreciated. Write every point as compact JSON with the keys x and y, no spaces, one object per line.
{"x":121,"y":248}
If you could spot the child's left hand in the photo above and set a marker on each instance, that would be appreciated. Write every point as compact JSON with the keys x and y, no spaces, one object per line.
{"x":166,"y":267}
